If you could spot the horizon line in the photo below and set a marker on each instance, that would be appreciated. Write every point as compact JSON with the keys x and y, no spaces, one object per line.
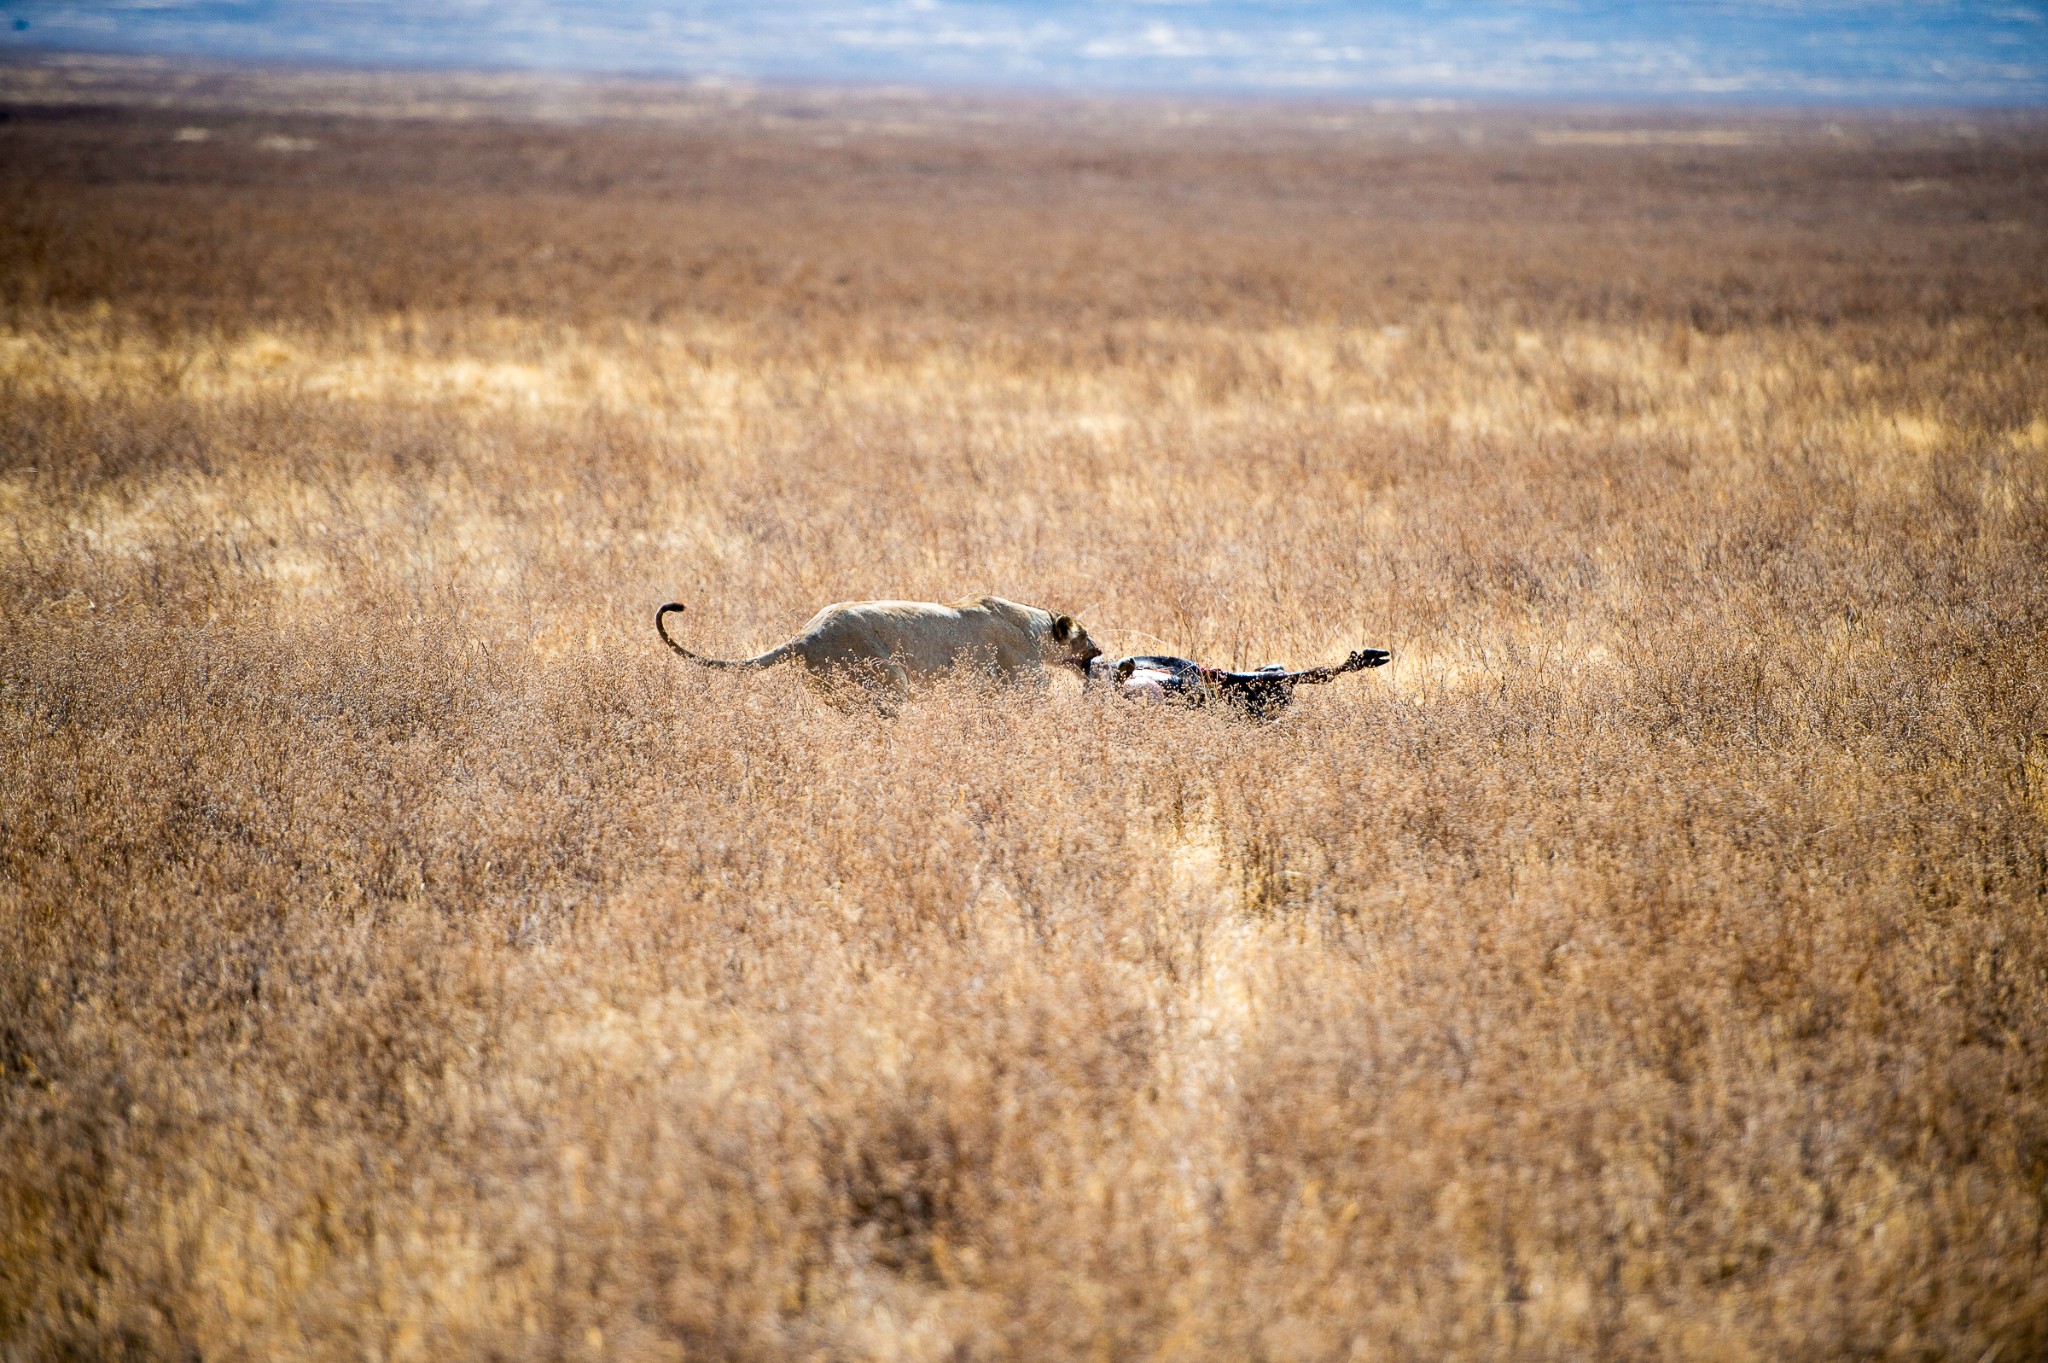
{"x":1402,"y":99}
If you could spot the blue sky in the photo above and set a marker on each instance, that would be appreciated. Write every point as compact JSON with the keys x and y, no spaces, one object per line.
{"x":1865,"y":51}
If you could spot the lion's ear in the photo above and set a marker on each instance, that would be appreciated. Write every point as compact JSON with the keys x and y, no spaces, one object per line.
{"x":1063,"y":627}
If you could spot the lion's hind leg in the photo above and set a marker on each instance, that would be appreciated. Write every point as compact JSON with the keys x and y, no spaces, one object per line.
{"x":875,"y":684}
{"x":887,"y":686}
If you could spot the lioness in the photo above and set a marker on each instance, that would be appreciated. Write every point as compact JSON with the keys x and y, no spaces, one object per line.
{"x":883,"y":646}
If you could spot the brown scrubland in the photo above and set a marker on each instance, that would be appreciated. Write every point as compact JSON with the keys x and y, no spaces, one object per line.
{"x":402,"y":956}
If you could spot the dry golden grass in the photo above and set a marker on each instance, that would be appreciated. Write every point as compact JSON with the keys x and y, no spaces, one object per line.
{"x":403,"y":957}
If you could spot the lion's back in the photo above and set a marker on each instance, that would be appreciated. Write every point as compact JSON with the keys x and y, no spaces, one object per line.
{"x":922,"y":637}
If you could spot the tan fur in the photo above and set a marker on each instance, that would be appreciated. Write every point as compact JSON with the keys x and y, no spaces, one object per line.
{"x":886,"y":646}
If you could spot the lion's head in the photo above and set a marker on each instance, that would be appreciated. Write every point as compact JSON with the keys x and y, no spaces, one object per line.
{"x":1067,"y":643}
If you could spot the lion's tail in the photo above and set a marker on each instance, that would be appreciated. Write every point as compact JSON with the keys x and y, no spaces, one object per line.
{"x":768,"y":659}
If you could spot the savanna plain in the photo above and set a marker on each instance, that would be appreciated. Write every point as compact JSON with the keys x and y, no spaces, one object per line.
{"x":402,"y":956}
